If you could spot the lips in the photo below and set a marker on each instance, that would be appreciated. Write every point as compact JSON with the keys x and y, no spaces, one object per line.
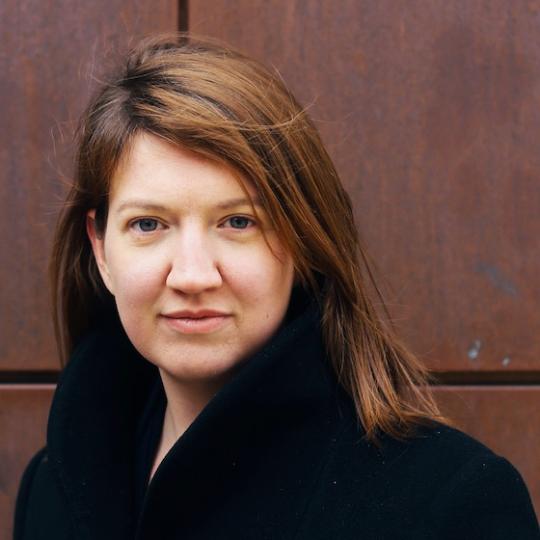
{"x":189,"y":314}
{"x":203,"y":321}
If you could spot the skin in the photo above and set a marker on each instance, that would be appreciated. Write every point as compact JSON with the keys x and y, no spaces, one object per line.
{"x":181,"y":236}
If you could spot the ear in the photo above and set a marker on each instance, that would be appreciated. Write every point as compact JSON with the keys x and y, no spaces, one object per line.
{"x":98,"y":247}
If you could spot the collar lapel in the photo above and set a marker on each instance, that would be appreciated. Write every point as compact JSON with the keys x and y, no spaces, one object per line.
{"x":91,"y":432}
{"x":250,"y":458}
{"x":247,"y":464}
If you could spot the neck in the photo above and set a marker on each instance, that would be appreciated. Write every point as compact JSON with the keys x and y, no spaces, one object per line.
{"x":185,"y":401}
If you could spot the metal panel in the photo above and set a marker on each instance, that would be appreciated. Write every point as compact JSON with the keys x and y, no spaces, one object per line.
{"x":430,"y":111}
{"x":23,"y":421}
{"x":52,"y":53}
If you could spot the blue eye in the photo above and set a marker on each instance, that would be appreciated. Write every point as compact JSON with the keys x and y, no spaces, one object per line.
{"x":146,"y":224}
{"x":240,"y":222}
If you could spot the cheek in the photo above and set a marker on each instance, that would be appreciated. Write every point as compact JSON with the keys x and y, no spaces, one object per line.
{"x":261,"y":279}
{"x":136,"y":280}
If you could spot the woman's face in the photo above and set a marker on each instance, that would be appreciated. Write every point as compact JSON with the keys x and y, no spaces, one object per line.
{"x":196,"y":285}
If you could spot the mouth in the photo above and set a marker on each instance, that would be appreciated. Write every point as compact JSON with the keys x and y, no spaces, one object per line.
{"x":196,"y":322}
{"x":194,"y":314}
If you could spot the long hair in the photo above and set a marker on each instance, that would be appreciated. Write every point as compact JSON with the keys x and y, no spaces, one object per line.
{"x":221,"y":104}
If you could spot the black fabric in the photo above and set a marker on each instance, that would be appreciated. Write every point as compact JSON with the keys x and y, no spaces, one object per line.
{"x":277,"y":454}
{"x":147,"y":441}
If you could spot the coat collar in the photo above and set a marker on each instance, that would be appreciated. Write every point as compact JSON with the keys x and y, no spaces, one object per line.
{"x":267,"y":429}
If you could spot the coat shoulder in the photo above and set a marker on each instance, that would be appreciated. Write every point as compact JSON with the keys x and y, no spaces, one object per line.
{"x":25,"y":489}
{"x":479,"y":493}
{"x":441,"y":483}
{"x":40,"y":511}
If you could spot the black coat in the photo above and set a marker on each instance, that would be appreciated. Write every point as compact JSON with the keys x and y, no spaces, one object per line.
{"x":277,"y":454}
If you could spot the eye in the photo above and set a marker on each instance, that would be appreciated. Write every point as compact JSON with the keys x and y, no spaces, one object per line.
{"x":145,"y":225}
{"x":239,"y":222}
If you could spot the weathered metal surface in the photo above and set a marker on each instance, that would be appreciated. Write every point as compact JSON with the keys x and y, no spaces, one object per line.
{"x":51,"y":55}
{"x":23,"y":422}
{"x":430,"y":111}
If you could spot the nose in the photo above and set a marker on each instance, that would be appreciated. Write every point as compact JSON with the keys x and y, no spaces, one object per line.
{"x":194,"y":264}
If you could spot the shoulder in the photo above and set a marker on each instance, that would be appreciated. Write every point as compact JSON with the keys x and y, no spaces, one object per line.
{"x":24,"y":493}
{"x":437,"y":453}
{"x":478,"y":494}
{"x":40,"y":511}
{"x":440,"y":483}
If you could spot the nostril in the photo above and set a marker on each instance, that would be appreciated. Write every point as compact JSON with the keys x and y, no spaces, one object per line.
{"x":194,"y":278}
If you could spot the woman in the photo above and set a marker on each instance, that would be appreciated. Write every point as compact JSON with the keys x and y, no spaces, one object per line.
{"x":228,"y":375}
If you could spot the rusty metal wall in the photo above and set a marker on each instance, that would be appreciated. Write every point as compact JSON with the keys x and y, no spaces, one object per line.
{"x":51,"y":55}
{"x":430,"y":111}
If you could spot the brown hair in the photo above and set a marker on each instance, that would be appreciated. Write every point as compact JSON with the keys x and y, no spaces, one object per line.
{"x":217,"y":102}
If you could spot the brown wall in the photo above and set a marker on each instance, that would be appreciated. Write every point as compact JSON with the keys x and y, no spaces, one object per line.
{"x":429,"y":110}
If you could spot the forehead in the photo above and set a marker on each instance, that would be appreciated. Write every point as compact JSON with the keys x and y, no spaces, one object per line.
{"x":156,"y":169}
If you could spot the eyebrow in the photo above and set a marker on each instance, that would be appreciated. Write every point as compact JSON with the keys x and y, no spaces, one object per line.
{"x":141,"y":205}
{"x":224,"y":205}
{"x":241,"y":201}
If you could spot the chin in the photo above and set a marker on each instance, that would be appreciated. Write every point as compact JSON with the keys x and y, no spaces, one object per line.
{"x":201,"y":370}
